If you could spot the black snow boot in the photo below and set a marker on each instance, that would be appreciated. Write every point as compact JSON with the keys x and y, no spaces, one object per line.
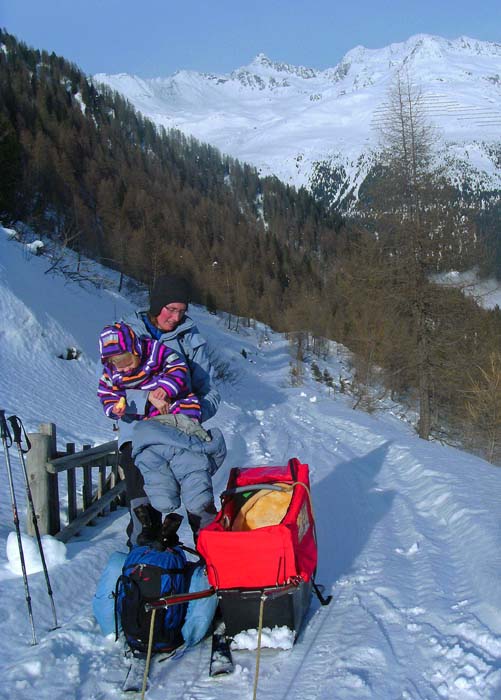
{"x":168,"y":534}
{"x":150,"y":529}
{"x":200,"y":520}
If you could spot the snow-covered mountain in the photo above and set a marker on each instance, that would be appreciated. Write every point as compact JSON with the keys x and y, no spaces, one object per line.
{"x":294,"y":122}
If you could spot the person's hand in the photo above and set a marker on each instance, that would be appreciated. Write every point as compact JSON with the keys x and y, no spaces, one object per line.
{"x":160,"y":404}
{"x":158,"y":393}
{"x":119,"y":407}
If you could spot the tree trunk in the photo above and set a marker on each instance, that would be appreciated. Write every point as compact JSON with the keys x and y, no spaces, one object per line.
{"x":424,"y":381}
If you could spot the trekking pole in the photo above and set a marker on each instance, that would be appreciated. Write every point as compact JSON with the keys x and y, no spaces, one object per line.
{"x":17,"y":427}
{"x":7,"y":442}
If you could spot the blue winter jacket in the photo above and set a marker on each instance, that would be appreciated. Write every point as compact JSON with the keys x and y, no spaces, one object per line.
{"x":190,"y":344}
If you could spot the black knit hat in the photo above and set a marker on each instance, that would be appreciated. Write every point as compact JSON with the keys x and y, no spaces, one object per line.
{"x":169,"y":289}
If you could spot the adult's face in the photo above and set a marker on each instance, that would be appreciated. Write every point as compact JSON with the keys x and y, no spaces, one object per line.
{"x":170,"y":316}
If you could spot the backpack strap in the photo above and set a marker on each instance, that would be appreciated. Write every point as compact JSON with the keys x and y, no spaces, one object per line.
{"x":190,"y":550}
{"x":115,"y":605}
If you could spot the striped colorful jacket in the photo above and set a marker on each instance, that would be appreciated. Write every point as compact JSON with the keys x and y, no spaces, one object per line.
{"x":159,"y":367}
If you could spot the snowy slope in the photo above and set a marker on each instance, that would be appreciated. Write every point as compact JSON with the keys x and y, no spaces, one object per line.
{"x":286,"y":120}
{"x":409,"y":532}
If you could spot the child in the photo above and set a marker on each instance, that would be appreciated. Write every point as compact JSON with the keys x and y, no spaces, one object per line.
{"x":131,"y":363}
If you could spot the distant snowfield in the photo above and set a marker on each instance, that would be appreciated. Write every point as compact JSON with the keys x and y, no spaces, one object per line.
{"x":487,"y":293}
{"x":284,"y":119}
{"x":409,"y":531}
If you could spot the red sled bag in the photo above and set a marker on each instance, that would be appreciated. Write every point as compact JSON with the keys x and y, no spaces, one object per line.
{"x":261,"y":550}
{"x":264,"y":534}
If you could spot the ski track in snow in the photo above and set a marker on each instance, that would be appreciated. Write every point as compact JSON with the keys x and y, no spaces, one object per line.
{"x":458,"y":659}
{"x":409,"y":538}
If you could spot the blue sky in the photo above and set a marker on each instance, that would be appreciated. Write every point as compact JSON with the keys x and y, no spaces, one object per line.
{"x":157,"y":37}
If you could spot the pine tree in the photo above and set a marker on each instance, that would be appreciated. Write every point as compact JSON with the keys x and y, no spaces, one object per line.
{"x":419,"y":230}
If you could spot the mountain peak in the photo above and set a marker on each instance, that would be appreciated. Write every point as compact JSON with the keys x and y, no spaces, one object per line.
{"x":263,"y":64}
{"x":422,"y":46}
{"x":262,"y":60}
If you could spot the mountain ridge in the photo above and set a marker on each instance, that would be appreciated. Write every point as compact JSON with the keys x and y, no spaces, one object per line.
{"x":288,"y":120}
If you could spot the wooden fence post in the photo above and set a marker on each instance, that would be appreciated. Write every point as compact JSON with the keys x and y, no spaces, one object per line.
{"x":72,"y":486}
{"x":44,"y":486}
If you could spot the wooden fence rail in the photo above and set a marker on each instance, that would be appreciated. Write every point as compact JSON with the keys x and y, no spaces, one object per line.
{"x":102,"y":486}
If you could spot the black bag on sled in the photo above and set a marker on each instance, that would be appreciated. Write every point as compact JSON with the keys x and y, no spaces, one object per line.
{"x":147,"y":575}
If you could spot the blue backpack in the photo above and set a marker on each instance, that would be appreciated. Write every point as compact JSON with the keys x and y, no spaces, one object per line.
{"x":149,"y":574}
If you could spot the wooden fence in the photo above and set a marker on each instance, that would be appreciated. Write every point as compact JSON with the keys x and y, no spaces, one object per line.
{"x":100,"y":484}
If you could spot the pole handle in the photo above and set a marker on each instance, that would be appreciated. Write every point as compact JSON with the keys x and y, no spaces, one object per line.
{"x":4,"y":430}
{"x":19,"y":433}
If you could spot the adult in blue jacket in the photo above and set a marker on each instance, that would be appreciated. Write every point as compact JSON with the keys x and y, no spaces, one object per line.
{"x":167,"y":321}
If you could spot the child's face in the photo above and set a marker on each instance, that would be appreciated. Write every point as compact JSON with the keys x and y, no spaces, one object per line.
{"x":125,"y":362}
